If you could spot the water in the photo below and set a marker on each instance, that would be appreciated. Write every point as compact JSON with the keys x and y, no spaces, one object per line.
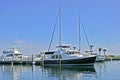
{"x":109,"y":70}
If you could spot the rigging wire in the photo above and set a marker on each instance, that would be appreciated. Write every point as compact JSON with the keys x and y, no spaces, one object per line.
{"x":79,"y":32}
{"x":53,"y":31}
{"x":85,"y":34}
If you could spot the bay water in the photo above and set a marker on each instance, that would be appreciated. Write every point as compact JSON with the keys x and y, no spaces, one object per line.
{"x":109,"y":70}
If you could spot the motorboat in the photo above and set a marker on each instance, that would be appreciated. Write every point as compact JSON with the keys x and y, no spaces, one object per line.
{"x":100,"y":58}
{"x":11,"y":54}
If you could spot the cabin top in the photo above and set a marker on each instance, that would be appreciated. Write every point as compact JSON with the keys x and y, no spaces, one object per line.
{"x":62,"y":46}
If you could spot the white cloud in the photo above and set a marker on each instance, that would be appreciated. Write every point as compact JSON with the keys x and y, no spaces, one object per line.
{"x":28,"y":48}
{"x":17,"y":41}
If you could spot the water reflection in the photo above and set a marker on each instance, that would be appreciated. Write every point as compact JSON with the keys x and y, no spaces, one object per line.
{"x":102,"y":71}
{"x":29,"y":72}
{"x":13,"y":72}
{"x":68,"y":72}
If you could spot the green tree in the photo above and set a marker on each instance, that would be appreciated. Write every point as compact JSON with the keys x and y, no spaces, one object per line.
{"x":99,"y":49}
{"x":104,"y":51}
{"x":91,"y":47}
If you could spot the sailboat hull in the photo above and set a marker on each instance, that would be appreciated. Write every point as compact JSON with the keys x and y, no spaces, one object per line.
{"x":78,"y":61}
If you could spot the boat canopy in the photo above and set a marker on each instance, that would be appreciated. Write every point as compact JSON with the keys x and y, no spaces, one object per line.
{"x":65,"y":46}
{"x":49,"y":52}
{"x":11,"y":51}
{"x":5,"y":52}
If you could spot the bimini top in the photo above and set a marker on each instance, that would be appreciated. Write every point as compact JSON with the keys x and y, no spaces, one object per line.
{"x":49,"y":52}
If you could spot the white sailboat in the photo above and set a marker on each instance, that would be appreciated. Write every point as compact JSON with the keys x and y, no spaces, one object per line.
{"x":64,"y":55}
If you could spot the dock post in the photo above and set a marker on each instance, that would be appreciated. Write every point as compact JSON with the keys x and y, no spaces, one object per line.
{"x":43,"y":60}
{"x":12,"y":63}
{"x":33,"y":62}
{"x":21,"y":59}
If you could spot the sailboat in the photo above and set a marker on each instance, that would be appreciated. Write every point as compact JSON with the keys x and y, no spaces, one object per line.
{"x":65,"y":55}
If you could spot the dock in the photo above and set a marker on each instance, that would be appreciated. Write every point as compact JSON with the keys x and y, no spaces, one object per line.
{"x":32,"y":60}
{"x":112,"y":57}
{"x":21,"y":62}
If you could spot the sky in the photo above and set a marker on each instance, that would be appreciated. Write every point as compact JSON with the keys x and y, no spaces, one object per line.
{"x":28,"y":24}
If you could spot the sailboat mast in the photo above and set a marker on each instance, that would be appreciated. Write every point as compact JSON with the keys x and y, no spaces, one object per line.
{"x":60,"y":26}
{"x":79,"y":32}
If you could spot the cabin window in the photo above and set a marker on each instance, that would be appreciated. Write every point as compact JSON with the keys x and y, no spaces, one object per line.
{"x":76,"y":53}
{"x":52,"y":57}
{"x":68,"y":53}
{"x":9,"y":55}
{"x":60,"y":56}
{"x":56,"y":56}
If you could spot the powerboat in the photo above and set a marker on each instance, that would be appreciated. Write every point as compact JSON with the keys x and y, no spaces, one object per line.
{"x":11,"y":54}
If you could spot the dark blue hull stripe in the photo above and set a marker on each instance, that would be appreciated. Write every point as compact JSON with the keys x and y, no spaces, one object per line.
{"x":78,"y":61}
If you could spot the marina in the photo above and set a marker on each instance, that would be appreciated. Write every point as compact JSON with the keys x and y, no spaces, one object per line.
{"x":64,"y":56}
{"x":59,"y":40}
{"x":116,"y":58}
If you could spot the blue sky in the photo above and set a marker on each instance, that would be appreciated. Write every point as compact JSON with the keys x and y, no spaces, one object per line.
{"x":28,"y":24}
